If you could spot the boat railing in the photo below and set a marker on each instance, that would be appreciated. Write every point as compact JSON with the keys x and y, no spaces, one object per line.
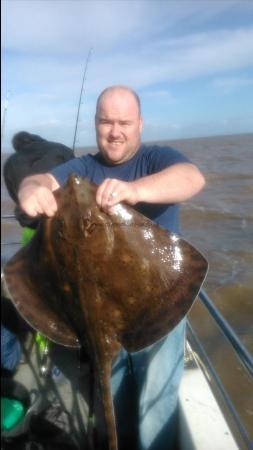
{"x":241,"y":352}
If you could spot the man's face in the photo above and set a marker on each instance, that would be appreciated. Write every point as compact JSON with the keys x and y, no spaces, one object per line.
{"x":118,"y":126}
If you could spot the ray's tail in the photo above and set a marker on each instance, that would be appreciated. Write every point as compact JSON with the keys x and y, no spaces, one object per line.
{"x":108,"y":407}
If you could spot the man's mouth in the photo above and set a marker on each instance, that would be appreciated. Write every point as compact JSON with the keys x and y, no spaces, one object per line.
{"x":115,"y":143}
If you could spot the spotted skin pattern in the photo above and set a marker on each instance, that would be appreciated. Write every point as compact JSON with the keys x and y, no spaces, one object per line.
{"x":103,"y":281}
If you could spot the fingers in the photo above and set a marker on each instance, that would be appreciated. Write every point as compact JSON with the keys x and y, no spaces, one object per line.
{"x":113,"y":191}
{"x":36,"y":201}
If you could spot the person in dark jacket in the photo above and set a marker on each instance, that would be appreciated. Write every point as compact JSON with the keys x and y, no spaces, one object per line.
{"x":33,"y":155}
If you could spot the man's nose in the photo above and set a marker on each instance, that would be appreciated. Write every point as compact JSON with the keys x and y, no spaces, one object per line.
{"x":115,"y":130}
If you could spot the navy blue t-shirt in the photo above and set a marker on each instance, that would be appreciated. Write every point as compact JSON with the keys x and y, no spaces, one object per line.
{"x":148,"y":160}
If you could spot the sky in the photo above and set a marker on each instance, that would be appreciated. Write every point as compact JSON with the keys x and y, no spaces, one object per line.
{"x":191,"y":62}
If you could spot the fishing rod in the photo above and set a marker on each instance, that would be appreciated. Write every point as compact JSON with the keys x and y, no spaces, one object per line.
{"x":12,"y":216}
{"x":80,"y":96}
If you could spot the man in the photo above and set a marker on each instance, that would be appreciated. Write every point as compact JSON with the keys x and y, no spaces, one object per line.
{"x":153,"y":179}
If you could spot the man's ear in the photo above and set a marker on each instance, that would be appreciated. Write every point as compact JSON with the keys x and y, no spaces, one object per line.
{"x":141,"y":124}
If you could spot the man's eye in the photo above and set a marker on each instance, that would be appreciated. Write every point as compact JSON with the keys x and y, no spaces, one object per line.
{"x":125,"y":124}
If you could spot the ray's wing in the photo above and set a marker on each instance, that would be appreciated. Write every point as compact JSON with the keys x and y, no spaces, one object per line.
{"x":30,"y":281}
{"x":148,"y":279}
{"x":172,"y":272}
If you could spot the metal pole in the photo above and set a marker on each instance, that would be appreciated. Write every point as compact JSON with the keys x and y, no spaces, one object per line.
{"x":6,"y":102}
{"x":8,"y":216}
{"x":231,"y":407}
{"x":228,"y":331}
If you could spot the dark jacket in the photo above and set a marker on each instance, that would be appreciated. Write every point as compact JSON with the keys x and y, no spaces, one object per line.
{"x":33,"y":155}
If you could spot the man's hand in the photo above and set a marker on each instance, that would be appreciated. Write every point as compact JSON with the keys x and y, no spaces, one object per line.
{"x":36,"y":195}
{"x":112,"y":191}
{"x":174,"y":184}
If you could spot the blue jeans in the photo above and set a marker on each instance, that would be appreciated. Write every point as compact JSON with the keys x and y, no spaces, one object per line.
{"x":10,"y":349}
{"x":146,"y":398}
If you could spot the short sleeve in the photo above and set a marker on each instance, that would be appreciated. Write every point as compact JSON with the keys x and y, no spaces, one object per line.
{"x":76,"y":166}
{"x":159,"y":158}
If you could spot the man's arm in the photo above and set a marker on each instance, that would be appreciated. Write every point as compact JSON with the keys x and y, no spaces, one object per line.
{"x":174,"y":184}
{"x":36,"y":195}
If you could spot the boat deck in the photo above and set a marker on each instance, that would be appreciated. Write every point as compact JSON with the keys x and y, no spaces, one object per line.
{"x":202,"y":424}
{"x":65,"y":394}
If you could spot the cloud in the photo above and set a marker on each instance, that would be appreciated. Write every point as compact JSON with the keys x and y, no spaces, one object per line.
{"x":179,"y":59}
{"x":65,"y":27}
{"x":229,"y":85}
{"x":59,"y":27}
{"x":194,"y":56}
{"x":153,"y":46}
{"x":45,"y":43}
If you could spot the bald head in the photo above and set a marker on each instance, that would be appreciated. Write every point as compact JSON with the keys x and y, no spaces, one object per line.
{"x":119,"y":90}
{"x":118,"y":123}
